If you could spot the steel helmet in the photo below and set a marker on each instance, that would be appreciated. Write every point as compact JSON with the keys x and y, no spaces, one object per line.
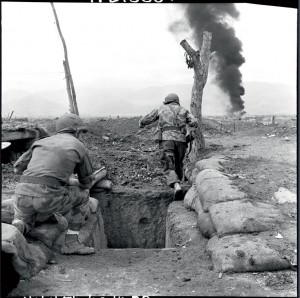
{"x":70,"y":123}
{"x":172,"y":97}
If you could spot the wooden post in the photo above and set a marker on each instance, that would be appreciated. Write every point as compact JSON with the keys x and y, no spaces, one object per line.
{"x":69,"y":80}
{"x":273,"y":120}
{"x":72,"y":90}
{"x":71,"y":103}
{"x":10,"y":115}
{"x":199,"y":60}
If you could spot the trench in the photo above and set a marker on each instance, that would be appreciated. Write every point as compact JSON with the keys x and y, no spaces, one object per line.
{"x":137,"y":229}
{"x":134,"y":218}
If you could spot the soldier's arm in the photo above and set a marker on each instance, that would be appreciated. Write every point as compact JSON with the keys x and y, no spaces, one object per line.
{"x":150,"y":118}
{"x":21,"y":164}
{"x":85,"y":172}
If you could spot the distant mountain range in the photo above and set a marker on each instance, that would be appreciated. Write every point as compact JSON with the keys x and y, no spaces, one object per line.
{"x":260,"y":98}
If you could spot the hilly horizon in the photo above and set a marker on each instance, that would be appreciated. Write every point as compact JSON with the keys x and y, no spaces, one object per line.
{"x":260,"y":99}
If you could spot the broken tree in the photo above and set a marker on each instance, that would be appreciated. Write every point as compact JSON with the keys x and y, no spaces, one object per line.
{"x":69,"y":79}
{"x":199,"y":61}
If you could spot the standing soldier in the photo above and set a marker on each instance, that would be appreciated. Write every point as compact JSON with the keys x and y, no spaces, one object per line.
{"x":171,"y":135}
{"x":46,"y":190}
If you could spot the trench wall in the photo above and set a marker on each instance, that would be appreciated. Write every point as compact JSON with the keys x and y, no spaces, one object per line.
{"x":134,"y":218}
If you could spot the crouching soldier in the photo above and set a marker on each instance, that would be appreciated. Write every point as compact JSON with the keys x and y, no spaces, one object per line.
{"x":45,"y":190}
{"x":172,"y":121}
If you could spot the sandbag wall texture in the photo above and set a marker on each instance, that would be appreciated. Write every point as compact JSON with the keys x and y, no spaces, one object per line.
{"x":134,"y":218}
{"x":240,"y":231}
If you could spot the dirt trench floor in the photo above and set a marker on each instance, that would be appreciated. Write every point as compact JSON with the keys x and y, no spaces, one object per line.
{"x":151,"y":272}
{"x":260,"y":159}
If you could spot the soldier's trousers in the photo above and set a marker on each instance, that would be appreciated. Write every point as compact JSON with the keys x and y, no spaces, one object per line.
{"x":38,"y":203}
{"x":173,"y":153}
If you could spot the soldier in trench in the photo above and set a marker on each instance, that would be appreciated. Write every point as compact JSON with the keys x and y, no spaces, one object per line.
{"x":46,"y":189}
{"x":171,"y":135}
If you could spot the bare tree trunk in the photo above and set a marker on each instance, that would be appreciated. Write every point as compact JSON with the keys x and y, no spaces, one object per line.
{"x":69,"y":80}
{"x":200,"y":62}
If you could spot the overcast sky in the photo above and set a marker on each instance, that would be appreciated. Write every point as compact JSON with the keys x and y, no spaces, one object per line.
{"x":129,"y":45}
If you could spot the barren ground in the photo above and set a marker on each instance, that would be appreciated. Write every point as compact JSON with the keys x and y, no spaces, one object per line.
{"x":261,"y":158}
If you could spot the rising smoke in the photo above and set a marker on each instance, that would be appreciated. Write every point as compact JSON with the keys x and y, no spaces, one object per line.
{"x":215,"y":18}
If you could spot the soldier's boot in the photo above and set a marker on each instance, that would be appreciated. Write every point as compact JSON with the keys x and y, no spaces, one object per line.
{"x":178,"y":192}
{"x":73,"y":247}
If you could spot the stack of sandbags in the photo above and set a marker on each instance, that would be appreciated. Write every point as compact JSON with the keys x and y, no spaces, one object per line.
{"x":192,"y":201}
{"x":7,"y":210}
{"x":210,"y":186}
{"x":235,"y":225}
{"x":27,"y":258}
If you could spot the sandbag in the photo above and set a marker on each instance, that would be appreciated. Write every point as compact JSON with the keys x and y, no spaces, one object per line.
{"x":244,"y":216}
{"x":92,"y":233}
{"x":27,"y":259}
{"x":290,"y":236}
{"x":194,"y":175}
{"x":284,"y":241}
{"x":192,"y":201}
{"x":93,"y":204}
{"x":216,"y":190}
{"x":7,"y":211}
{"x":244,"y":253}
{"x":211,"y":174}
{"x":210,"y":163}
{"x":181,"y":228}
{"x":206,"y":225}
{"x":189,"y":197}
{"x":197,"y":206}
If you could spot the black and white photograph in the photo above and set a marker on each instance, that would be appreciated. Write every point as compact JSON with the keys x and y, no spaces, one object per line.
{"x":149,"y":148}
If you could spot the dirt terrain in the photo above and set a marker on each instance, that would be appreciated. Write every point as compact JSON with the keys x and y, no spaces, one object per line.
{"x":261,"y":158}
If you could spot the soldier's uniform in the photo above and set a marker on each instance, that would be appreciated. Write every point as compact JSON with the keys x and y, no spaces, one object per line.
{"x":44,"y":191}
{"x":172,"y":121}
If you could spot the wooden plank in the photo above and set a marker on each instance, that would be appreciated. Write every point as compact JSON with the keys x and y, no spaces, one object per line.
{"x":8,"y":136}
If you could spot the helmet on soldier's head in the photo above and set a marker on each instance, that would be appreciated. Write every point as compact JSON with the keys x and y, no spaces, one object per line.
{"x":172,"y":97}
{"x":70,"y":123}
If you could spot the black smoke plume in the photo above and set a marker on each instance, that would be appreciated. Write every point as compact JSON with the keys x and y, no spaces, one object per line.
{"x":213,"y":17}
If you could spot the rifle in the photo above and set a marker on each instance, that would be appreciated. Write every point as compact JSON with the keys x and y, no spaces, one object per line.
{"x":158,"y":135}
{"x":189,"y":139}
